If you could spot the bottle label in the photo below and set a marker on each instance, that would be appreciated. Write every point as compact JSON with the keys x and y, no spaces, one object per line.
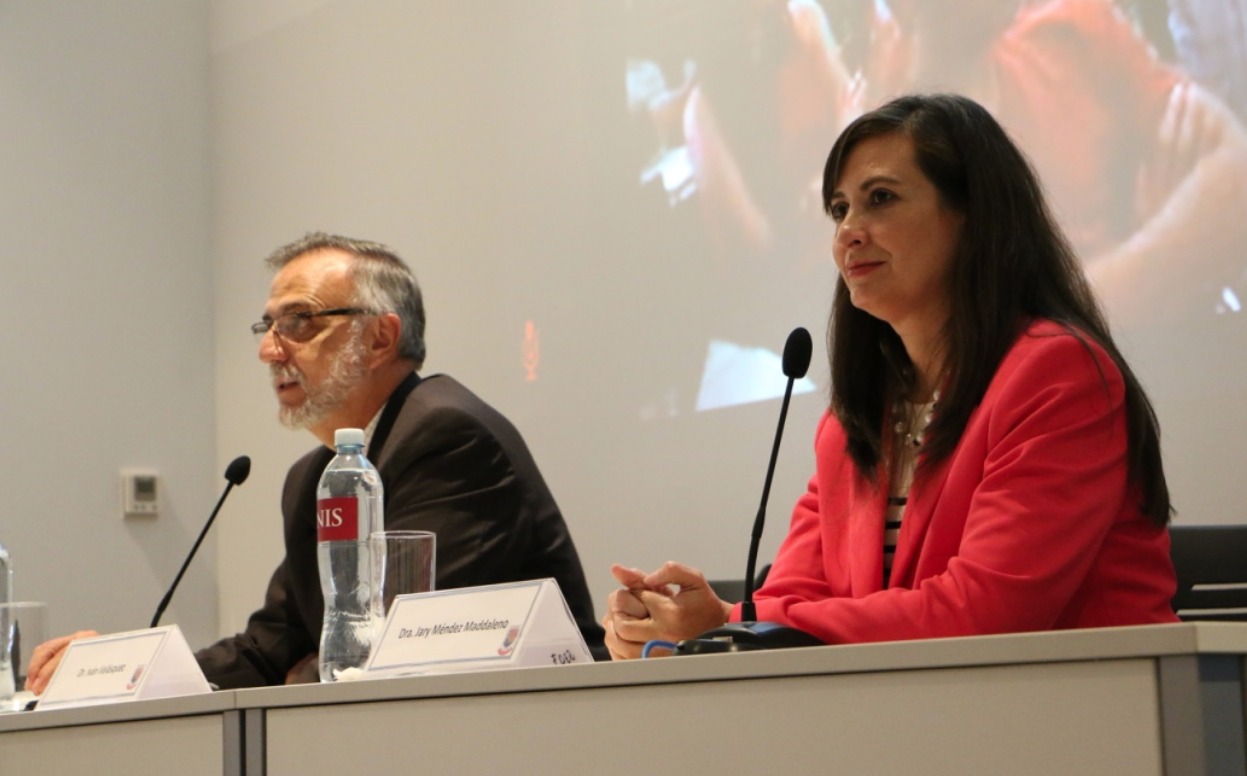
{"x":337,"y":519}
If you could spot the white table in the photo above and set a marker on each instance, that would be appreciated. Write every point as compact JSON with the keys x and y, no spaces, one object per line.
{"x":1152,"y":700}
{"x":190,"y":736}
{"x":1131,"y":701}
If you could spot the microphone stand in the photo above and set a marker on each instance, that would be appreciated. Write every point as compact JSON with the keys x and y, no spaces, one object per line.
{"x":749,"y":634}
{"x":236,"y":473}
{"x":748,"y":611}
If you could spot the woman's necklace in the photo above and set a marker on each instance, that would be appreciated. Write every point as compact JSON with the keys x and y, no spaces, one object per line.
{"x":913,"y":420}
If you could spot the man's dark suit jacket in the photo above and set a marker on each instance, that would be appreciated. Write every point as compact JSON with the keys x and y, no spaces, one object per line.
{"x":450,"y":464}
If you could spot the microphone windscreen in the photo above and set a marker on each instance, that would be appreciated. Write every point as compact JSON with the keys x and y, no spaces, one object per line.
{"x":797,"y":351}
{"x":240,"y":467}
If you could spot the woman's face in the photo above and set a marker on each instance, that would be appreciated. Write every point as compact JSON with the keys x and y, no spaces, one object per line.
{"x":895,"y":240}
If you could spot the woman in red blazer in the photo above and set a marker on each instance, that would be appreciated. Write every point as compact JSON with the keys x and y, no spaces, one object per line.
{"x":989,"y":462}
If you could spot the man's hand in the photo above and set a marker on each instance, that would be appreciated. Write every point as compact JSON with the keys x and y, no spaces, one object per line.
{"x":46,"y":657}
{"x":306,"y":671}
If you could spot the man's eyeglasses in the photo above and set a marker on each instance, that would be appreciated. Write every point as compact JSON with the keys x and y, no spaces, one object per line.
{"x":297,"y":326}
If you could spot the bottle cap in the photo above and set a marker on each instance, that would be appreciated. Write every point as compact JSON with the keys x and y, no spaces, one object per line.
{"x":348,"y":436}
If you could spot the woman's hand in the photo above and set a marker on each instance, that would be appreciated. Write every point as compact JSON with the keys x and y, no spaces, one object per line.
{"x":671,"y":604}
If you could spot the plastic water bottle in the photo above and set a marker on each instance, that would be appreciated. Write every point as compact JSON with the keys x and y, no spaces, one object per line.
{"x":349,"y":504}
{"x":6,"y":577}
{"x":7,"y":630}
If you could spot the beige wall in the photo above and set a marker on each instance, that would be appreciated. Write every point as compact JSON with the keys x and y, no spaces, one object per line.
{"x":106,"y":306}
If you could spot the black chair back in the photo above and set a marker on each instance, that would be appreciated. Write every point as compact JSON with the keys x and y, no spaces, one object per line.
{"x":733,"y":590}
{"x":1211,"y":565}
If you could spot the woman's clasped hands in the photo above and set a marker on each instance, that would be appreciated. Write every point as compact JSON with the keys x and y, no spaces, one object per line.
{"x":671,"y":604}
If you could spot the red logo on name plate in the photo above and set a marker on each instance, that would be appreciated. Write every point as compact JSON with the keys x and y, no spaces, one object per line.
{"x":337,"y":519}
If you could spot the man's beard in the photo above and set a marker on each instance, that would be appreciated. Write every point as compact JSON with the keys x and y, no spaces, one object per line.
{"x":345,"y":372}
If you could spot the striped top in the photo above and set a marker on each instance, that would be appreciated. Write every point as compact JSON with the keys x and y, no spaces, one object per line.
{"x":908,"y":444}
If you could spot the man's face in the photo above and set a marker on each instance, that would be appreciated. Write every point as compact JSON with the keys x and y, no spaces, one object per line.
{"x":317,"y":364}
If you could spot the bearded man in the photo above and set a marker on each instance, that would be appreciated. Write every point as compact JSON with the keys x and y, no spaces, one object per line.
{"x":343,"y":336}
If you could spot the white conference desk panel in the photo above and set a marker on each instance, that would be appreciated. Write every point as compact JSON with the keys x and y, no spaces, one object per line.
{"x":1130,"y":701}
{"x":188,"y":735}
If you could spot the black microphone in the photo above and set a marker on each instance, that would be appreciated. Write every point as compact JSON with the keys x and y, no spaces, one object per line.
{"x":748,"y":634}
{"x":236,"y":473}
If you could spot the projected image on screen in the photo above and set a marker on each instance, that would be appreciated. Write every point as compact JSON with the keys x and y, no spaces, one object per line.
{"x":1132,"y":112}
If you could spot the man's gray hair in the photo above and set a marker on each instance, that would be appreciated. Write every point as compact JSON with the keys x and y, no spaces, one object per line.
{"x":383,"y":283}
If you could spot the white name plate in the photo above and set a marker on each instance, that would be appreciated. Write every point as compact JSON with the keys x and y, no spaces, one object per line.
{"x":478,"y":628}
{"x":119,"y":667}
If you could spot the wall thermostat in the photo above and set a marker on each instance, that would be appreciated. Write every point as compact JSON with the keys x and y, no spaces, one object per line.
{"x":140,"y":493}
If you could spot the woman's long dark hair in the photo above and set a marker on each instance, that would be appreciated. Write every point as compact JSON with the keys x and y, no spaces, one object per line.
{"x":1013,"y":265}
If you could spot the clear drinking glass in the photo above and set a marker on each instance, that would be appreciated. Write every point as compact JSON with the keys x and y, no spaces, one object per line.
{"x":23,"y":626}
{"x":402,"y":562}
